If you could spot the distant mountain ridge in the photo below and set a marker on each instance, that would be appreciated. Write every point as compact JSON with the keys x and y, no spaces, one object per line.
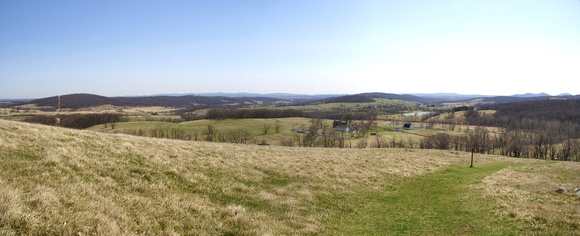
{"x":370,"y":97}
{"x":530,"y":95}
{"x":76,"y":101}
{"x":451,"y":97}
{"x":257,"y":95}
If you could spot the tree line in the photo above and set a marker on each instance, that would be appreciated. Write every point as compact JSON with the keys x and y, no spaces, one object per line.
{"x":543,"y":129}
{"x":513,"y":143}
{"x":76,"y":121}
{"x":223,"y":113}
{"x":210,"y":134}
{"x":233,"y":113}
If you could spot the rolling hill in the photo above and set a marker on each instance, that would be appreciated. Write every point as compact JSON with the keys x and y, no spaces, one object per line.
{"x":61,"y":181}
{"x":77,"y":101}
{"x":526,"y":97}
{"x":370,"y":97}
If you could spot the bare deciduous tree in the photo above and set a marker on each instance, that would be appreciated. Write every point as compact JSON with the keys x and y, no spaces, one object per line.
{"x":266,"y":128}
{"x":362,"y":143}
{"x":210,"y":133}
{"x":277,"y":126}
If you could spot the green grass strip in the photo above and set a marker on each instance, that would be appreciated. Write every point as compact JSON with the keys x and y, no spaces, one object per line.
{"x":438,"y":203}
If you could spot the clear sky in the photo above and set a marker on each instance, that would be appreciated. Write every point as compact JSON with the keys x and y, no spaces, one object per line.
{"x":117,"y":48}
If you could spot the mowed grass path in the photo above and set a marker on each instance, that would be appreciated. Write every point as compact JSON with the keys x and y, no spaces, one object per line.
{"x":442,"y":202}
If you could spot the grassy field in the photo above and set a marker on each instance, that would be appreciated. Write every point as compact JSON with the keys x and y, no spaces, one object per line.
{"x":132,"y":113}
{"x":254,"y":126}
{"x":62,"y":181}
{"x":351,"y":106}
{"x":451,"y":202}
{"x":140,"y":118}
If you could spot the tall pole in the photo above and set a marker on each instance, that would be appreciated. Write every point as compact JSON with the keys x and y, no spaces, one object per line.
{"x":471,"y":166}
{"x":58,"y":113}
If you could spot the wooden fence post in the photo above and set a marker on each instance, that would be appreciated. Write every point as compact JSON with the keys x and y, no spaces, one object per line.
{"x":471,"y":166}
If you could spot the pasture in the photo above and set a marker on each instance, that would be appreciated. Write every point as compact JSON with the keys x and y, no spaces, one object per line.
{"x":63,"y":181}
{"x":379,"y":102}
{"x":256,"y":127}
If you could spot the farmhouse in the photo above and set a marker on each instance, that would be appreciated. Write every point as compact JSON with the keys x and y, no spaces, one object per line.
{"x":341,"y":126}
{"x":408,"y":126}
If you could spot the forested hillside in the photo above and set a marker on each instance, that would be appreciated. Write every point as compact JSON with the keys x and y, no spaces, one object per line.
{"x":544,"y":129}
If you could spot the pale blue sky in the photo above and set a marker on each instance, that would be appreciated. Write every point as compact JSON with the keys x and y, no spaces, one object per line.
{"x":117,"y":48}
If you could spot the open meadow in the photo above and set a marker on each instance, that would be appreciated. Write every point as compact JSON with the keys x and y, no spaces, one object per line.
{"x":64,"y":181}
{"x":270,"y":131}
{"x":378,"y":102}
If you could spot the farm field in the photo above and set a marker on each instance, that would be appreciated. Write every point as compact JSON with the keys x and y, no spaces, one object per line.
{"x":63,"y":181}
{"x":287,"y":127}
{"x":226,"y":125}
{"x":350,"y":105}
{"x":163,"y":122}
{"x":142,"y":122}
{"x":133,"y":113}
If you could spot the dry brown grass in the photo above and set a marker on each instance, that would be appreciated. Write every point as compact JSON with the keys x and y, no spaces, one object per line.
{"x":62,"y":181}
{"x":528,"y":194}
{"x":33,"y":109}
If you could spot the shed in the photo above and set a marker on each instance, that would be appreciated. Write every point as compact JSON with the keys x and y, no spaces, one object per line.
{"x":342,"y":128}
{"x":408,"y":126}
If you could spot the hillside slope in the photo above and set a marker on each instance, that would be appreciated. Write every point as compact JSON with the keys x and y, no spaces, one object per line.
{"x":62,"y":181}
{"x":78,"y":101}
{"x":370,"y":97}
{"x":116,"y":184}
